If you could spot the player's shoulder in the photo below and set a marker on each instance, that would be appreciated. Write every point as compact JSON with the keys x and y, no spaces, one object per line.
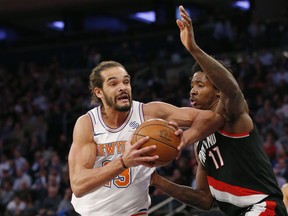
{"x":83,"y":127}
{"x":83,"y":119}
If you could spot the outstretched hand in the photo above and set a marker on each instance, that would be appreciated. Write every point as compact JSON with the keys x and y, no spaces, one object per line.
{"x":186,"y":30}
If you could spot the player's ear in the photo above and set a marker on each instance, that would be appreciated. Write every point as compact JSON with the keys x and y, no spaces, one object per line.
{"x":98,"y":92}
{"x":218,"y":92}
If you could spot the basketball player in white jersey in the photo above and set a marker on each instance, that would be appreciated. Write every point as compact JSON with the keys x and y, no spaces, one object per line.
{"x":108,"y":176}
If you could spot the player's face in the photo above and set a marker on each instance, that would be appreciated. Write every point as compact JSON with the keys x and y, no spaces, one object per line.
{"x":203,"y":95}
{"x":116,"y":91}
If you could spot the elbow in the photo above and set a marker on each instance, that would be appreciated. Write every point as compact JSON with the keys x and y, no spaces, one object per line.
{"x":207,"y":206}
{"x":81,"y":189}
{"x":208,"y":201}
{"x":78,"y":191}
{"x":78,"y":194}
{"x":205,"y":200}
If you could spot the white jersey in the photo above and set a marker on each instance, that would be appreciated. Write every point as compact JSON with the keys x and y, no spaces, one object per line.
{"x":128,"y":193}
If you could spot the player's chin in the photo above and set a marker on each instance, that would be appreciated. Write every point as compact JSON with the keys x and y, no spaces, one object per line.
{"x":123,"y":106}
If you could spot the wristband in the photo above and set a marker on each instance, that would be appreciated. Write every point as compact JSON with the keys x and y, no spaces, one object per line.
{"x":123,"y":164}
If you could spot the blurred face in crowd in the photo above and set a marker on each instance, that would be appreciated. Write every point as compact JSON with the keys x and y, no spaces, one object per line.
{"x":116,"y":90}
{"x":203,"y":95}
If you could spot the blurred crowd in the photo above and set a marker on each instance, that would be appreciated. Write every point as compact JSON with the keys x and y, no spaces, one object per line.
{"x":41,"y":100}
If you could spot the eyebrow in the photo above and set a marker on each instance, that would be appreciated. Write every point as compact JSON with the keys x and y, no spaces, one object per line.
{"x":111,"y":78}
{"x":197,"y":81}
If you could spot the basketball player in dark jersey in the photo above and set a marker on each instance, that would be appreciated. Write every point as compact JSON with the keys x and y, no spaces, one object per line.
{"x":233,"y":168}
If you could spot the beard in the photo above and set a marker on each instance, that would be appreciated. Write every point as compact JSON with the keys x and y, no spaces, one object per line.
{"x":112,"y":102}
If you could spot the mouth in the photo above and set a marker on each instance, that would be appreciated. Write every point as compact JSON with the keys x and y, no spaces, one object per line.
{"x":193,"y":102}
{"x":123,"y":98}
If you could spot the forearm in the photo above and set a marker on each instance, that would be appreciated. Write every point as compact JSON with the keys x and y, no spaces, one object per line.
{"x":220,"y":76}
{"x":205,"y":123}
{"x":185,"y":194}
{"x":88,"y":180}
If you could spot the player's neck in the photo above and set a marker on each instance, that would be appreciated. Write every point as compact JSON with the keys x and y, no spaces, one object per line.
{"x":214,"y":106}
{"x":113,"y":118}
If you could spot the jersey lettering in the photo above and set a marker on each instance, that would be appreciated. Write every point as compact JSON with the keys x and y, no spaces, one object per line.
{"x":216,"y":157}
{"x":206,"y":144}
{"x":123,"y":180}
{"x":107,"y":149}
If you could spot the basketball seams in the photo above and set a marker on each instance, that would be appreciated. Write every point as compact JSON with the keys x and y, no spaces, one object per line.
{"x":156,"y":141}
{"x":149,"y":125}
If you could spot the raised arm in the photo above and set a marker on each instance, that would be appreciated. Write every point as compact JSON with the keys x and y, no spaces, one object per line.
{"x":83,"y":177}
{"x":232,"y":98}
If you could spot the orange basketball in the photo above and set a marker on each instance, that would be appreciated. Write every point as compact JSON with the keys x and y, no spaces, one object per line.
{"x":163,"y":136}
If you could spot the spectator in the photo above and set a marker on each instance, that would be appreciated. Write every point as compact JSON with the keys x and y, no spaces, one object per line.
{"x":22,"y":180}
{"x":65,"y":207}
{"x":283,"y":140}
{"x":16,"y":206}
{"x":270,"y":145}
{"x":6,"y":194}
{"x":281,"y":170}
{"x":49,"y":205}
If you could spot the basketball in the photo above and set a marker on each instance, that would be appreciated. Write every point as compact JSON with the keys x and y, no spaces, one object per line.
{"x":162,"y":135}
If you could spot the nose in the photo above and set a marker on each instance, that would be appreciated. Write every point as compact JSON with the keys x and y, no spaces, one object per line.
{"x":193,"y":91}
{"x":122,"y":87}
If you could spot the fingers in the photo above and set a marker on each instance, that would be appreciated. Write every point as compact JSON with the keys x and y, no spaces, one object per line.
{"x":178,"y":131}
{"x":181,"y":146}
{"x":143,"y":150}
{"x":140,"y":142}
{"x":173,"y":124}
{"x":185,"y":20}
{"x":147,"y":149}
{"x":182,"y":10}
{"x":145,"y":160}
{"x":180,"y":24}
{"x":136,"y":155}
{"x":148,"y":161}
